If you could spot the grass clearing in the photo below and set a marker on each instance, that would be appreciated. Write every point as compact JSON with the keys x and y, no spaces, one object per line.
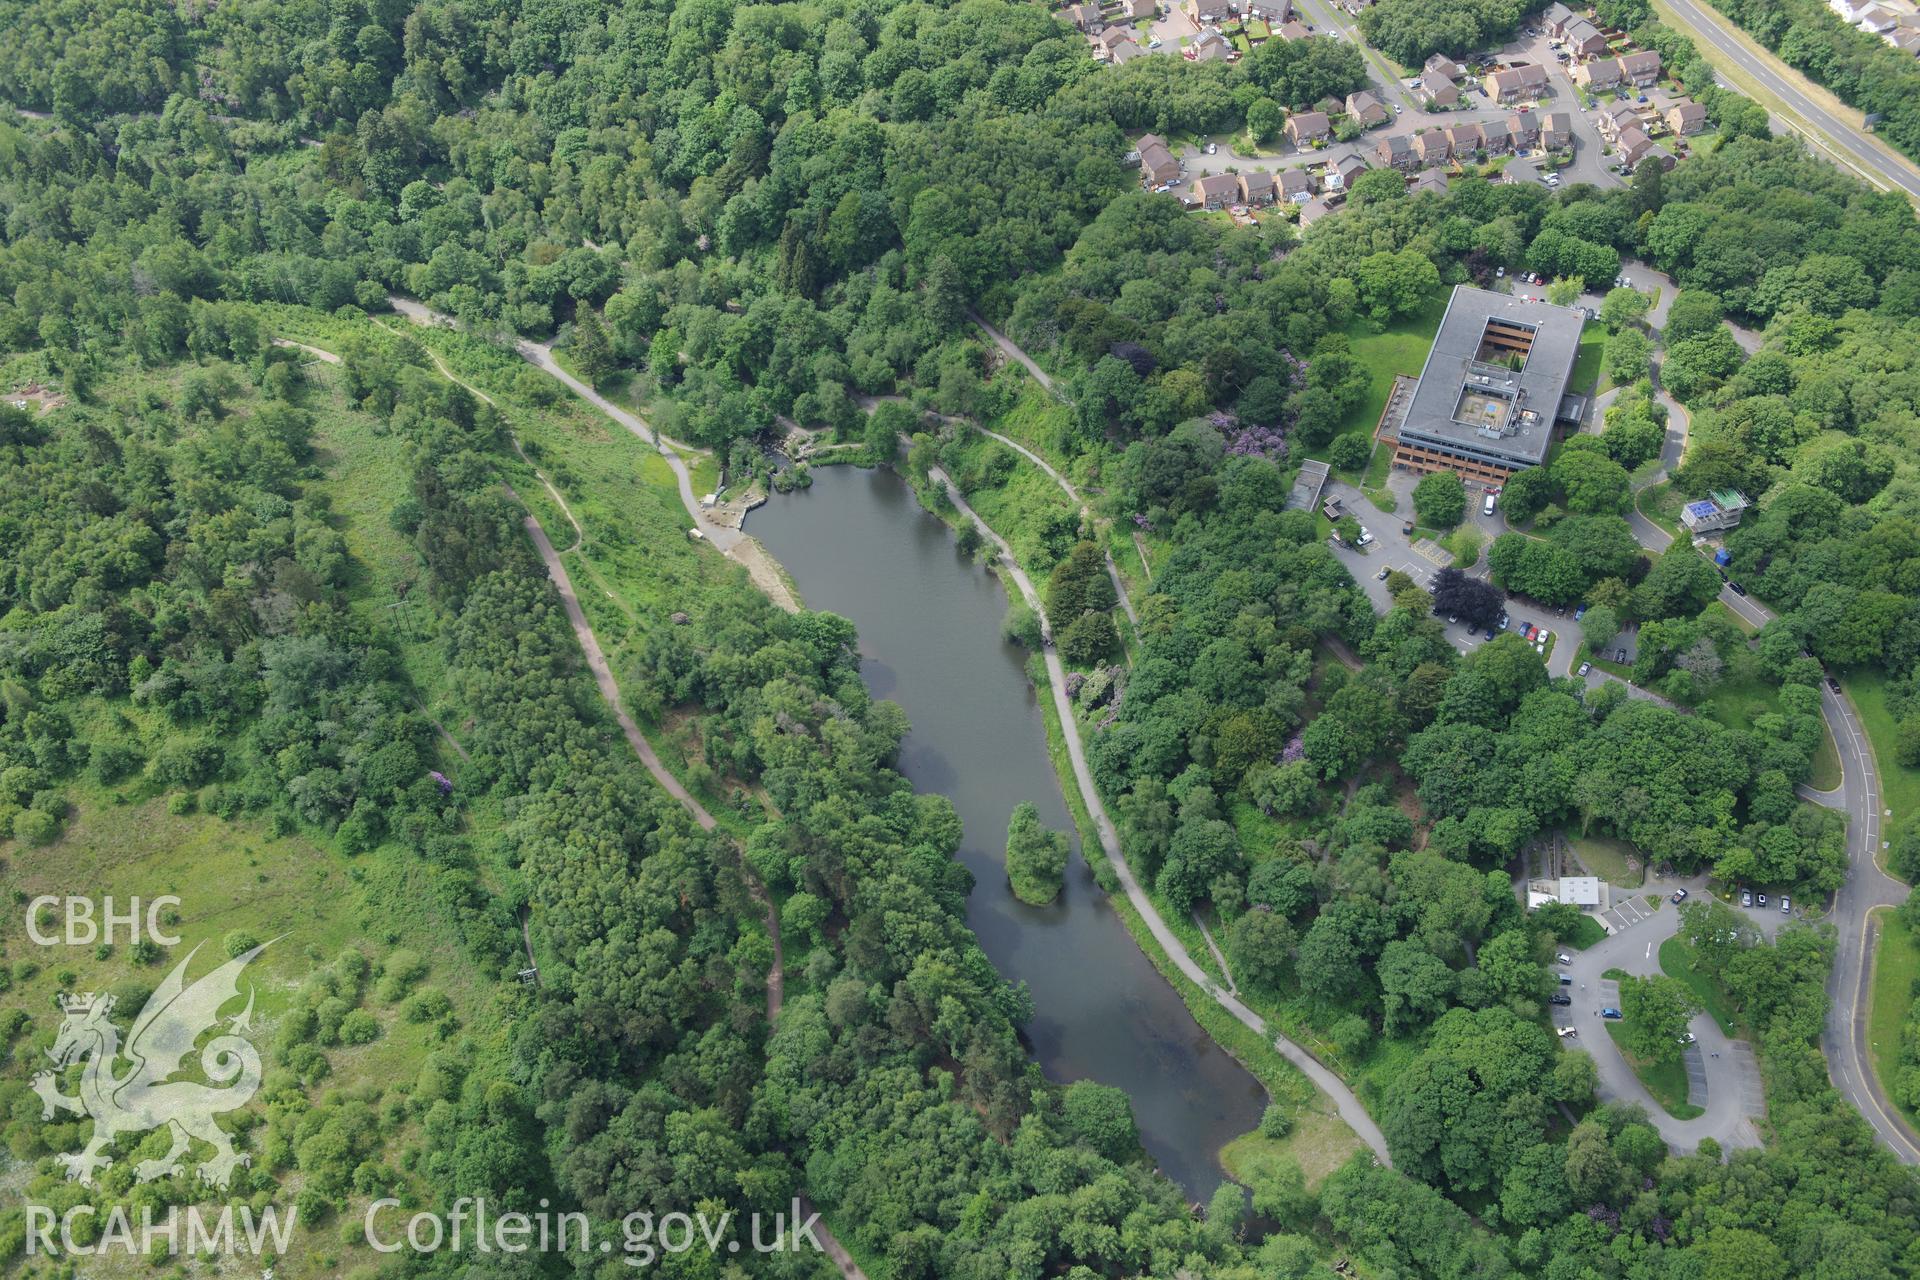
{"x":1399,"y":348}
{"x":1615,"y":861}
{"x":1319,"y":1143}
{"x":1899,"y":785}
{"x":1666,"y":1081}
{"x":1677,"y":960}
{"x":1588,"y":932}
{"x":1587,"y":370}
{"x":1896,"y":968}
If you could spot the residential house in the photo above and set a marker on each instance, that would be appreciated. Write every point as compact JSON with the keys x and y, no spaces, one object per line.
{"x":1878,"y":19}
{"x":1397,"y":152}
{"x":1496,"y":138}
{"x":1273,"y":12}
{"x":1430,"y":180}
{"x":1523,"y":130}
{"x":1598,"y":75}
{"x":1304,"y":128}
{"x":1296,"y":185}
{"x":1208,"y":46}
{"x":1124,"y":52}
{"x":1087,"y":18}
{"x":1442,"y":97}
{"x":1105,"y":44}
{"x":1584,"y":39}
{"x":1157,"y":163}
{"x":1686,"y":117}
{"x":1314,"y":210}
{"x":1906,"y":39}
{"x":1556,"y":131}
{"x":1517,"y":83}
{"x":1137,"y":10}
{"x":1634,"y":145}
{"x":1556,"y":18}
{"x":1433,"y":147}
{"x":1256,"y":187}
{"x":1365,"y":109}
{"x":1344,"y":172}
{"x":1442,"y":67}
{"x":1331,"y":105}
{"x":1464,"y":139}
{"x":1207,"y":13}
{"x":1295,"y":30}
{"x":1616,"y":117}
{"x":1215,"y":191}
{"x":1641,"y":68}
{"x":1519,"y":170}
{"x":1850,"y":11}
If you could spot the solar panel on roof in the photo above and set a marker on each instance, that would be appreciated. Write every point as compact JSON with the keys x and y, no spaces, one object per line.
{"x":1701,"y":508}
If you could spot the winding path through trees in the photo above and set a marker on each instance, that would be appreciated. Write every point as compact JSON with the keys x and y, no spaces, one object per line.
{"x":1344,"y":1099}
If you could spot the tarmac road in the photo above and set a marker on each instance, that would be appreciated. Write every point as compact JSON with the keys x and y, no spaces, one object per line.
{"x":1860,"y":151}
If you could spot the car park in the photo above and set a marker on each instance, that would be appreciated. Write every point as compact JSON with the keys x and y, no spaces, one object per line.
{"x":1679,"y":895}
{"x":1612,"y":1014}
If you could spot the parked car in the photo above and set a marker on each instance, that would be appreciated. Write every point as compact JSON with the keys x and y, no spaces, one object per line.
{"x":1452,"y":619}
{"x":1407,"y":528}
{"x":1213,"y":148}
{"x":1562,"y":1001}
{"x":1567,"y":1033}
{"x":1382,"y":575}
{"x":1563,"y":958}
{"x":1504,"y":622}
{"x":1786,"y":905}
{"x":1584,"y":668}
{"x":1619,"y":655}
{"x":1580,"y":613}
{"x":1679,"y":895}
{"x":1746,"y":899}
{"x":1689,"y":1038}
{"x":1566,"y":979}
{"x":1612,"y":1014}
{"x":1761,"y":898}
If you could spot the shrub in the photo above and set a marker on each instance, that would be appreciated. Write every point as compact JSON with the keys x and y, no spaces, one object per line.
{"x":1276,"y":1121}
{"x":359,"y":1027}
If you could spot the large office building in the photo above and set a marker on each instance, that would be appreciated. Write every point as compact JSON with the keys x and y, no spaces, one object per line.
{"x":1493,"y":390}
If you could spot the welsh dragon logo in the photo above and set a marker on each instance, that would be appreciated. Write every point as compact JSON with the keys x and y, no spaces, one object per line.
{"x":142,"y":1099}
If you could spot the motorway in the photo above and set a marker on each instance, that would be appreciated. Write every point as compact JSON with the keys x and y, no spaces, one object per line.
{"x":1861,"y":152}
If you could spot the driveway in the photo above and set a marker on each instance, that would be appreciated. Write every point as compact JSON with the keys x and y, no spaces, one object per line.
{"x":1722,"y":1076}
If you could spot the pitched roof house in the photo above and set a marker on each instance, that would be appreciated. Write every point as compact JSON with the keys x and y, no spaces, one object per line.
{"x":1556,"y":131}
{"x":1215,"y":191}
{"x":1495,"y":137}
{"x":1365,"y":109}
{"x":1634,"y":145}
{"x":1138,"y":9}
{"x":1295,"y":30}
{"x":1256,"y":187}
{"x":1642,"y":67}
{"x":1431,"y":180}
{"x":1464,"y":139}
{"x":1086,"y":17}
{"x":1397,"y":152}
{"x":1209,"y":46}
{"x":1433,"y":146}
{"x":1522,"y":129}
{"x":1296,"y":186}
{"x":1207,"y":12}
{"x":1556,"y":18}
{"x":1442,"y":96}
{"x":1519,"y":170}
{"x":1444,"y":67}
{"x":1124,"y":52}
{"x":1157,"y":163}
{"x":1304,"y":127}
{"x":1111,"y":39}
{"x":1584,"y":39}
{"x":1616,"y":117}
{"x":1342,"y":174}
{"x":1686,"y":117}
{"x":1515,"y":83}
{"x":1601,"y":73}
{"x":1314,"y":210}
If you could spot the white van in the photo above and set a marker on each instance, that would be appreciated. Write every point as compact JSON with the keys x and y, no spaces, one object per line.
{"x":1486,"y":505}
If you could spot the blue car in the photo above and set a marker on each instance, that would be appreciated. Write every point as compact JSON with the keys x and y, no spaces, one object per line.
{"x":1612,"y":1014}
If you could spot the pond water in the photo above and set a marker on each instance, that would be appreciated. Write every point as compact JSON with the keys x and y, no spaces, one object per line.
{"x":859,"y":544}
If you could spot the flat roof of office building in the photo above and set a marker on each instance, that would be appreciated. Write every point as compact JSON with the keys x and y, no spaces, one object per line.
{"x":1496,"y":379}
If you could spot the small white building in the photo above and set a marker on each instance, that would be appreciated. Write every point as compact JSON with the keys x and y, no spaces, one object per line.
{"x":1575,"y":891}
